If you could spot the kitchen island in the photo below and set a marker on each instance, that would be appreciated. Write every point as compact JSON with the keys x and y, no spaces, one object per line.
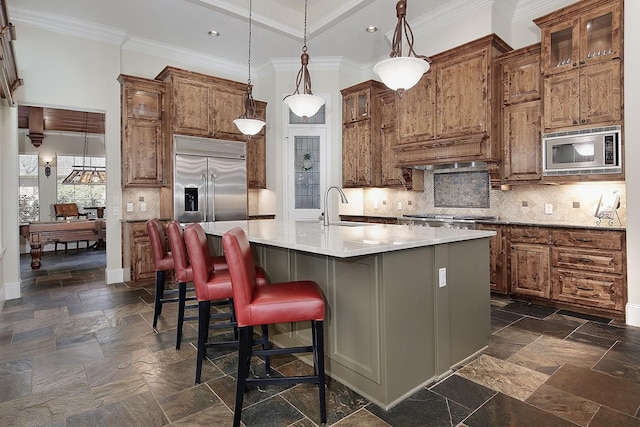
{"x":405,"y":305}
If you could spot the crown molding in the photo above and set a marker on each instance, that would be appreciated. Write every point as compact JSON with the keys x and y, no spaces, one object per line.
{"x":534,"y":8}
{"x":72,"y":27}
{"x":163,"y":50}
{"x":444,"y":16}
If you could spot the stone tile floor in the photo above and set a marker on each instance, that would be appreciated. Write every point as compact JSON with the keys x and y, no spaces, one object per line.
{"x":77,"y":352}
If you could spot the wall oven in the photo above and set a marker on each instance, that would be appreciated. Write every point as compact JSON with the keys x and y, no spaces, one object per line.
{"x":582,"y":152}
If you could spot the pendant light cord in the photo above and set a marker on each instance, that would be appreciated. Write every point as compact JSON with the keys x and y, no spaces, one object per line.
{"x":249,"y":56}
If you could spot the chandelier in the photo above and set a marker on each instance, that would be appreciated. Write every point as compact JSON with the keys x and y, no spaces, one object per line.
{"x":86,"y":175}
{"x":304,"y":104}
{"x":402,"y":72}
{"x":249,"y":123}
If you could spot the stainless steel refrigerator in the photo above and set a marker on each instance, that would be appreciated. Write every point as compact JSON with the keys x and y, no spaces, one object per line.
{"x":210,"y":179}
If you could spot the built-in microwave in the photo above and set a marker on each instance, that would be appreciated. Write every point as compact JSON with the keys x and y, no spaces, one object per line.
{"x":582,"y":152}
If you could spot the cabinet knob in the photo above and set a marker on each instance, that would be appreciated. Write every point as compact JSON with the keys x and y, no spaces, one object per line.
{"x":575,"y":122}
{"x":575,"y":64}
{"x":583,"y":62}
{"x":583,"y":121}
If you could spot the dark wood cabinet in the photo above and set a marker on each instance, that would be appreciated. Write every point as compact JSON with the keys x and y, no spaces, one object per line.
{"x":142,"y":139}
{"x":582,"y":63}
{"x":529,"y":264}
{"x":497,"y":257}
{"x":581,"y":269}
{"x":521,"y":111}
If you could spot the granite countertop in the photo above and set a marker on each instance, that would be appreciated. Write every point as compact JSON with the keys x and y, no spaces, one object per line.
{"x":604,"y":225}
{"x":342,"y":239}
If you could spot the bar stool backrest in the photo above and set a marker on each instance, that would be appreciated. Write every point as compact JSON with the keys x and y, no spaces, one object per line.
{"x":199,"y":255}
{"x":181,"y":263}
{"x":243,"y":273}
{"x":159,"y":245}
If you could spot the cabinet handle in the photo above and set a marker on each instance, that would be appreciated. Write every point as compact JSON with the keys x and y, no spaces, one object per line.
{"x":583,"y":62}
{"x":586,"y":260}
{"x":582,"y":288}
{"x":583,"y":240}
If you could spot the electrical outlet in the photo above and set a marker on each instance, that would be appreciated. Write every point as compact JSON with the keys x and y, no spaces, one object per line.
{"x":548,"y":208}
{"x":130,"y":207}
{"x":375,"y":205}
{"x":400,"y":206}
{"x":442,"y":277}
{"x":143,"y":207}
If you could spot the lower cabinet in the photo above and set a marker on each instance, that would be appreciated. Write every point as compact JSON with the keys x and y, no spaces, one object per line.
{"x":588,"y":268}
{"x":497,"y":257}
{"x":580,"y":269}
{"x":136,"y":252}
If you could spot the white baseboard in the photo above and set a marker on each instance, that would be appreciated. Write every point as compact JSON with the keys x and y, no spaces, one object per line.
{"x":11,"y":290}
{"x":633,"y":314}
{"x":115,"y":275}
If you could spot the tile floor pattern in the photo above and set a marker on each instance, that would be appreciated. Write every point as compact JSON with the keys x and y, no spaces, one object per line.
{"x":77,"y":352}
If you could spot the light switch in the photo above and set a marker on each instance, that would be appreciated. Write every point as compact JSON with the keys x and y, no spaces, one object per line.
{"x":548,"y":208}
{"x":130,"y":207}
{"x":143,"y":207}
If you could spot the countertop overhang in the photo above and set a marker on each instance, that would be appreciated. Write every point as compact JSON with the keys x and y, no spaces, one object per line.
{"x":343,"y":239}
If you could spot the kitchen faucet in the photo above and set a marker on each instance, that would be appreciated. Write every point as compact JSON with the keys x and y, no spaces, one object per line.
{"x":343,"y":199}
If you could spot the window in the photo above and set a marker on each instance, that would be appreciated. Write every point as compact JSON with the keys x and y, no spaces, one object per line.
{"x":307,"y":171}
{"x":307,"y":163}
{"x":82,"y":195}
{"x":29,"y":201}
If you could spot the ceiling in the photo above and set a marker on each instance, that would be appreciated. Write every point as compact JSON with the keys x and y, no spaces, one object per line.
{"x":336,"y":28}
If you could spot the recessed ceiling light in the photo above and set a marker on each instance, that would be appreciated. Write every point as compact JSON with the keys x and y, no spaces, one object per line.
{"x":214,"y":33}
{"x":372,"y":29}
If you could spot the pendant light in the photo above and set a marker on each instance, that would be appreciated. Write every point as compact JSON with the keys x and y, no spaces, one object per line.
{"x":86,"y":175}
{"x":249,"y":123}
{"x":402,"y":72}
{"x":304,"y":104}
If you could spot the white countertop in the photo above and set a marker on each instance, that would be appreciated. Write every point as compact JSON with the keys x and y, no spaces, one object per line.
{"x":342,"y":239}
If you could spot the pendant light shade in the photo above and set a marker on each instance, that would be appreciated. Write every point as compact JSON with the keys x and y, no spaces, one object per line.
{"x":401,"y":73}
{"x":86,"y":175}
{"x":249,"y":123}
{"x":304,"y":104}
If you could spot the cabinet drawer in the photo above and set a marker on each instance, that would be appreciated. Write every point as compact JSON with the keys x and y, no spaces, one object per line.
{"x":596,"y":290}
{"x":596,"y":239}
{"x":588,"y":260}
{"x":529,"y":235}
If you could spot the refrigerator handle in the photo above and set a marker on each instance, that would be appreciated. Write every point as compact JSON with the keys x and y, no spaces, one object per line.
{"x":212,"y":194}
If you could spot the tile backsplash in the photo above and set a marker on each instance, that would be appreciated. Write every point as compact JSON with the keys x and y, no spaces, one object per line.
{"x":570,"y":203}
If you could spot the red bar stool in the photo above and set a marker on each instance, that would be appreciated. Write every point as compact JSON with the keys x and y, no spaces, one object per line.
{"x":286,"y":302}
{"x":213,"y":287}
{"x":163,"y":262}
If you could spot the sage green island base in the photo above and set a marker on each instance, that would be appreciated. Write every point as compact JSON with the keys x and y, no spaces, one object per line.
{"x":396,"y":320}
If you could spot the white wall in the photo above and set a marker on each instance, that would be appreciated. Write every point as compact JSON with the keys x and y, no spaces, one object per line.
{"x":68,"y":72}
{"x":632,"y":155}
{"x":9,"y":253}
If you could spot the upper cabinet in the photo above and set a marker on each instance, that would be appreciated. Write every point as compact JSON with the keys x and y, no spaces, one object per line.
{"x":521,"y":111}
{"x":142,"y":139}
{"x":368,"y":136}
{"x":585,"y":33}
{"x":449,"y":117}
{"x":582,"y":63}
{"x":361,"y":146}
{"x":205,"y":106}
{"x":257,"y":153}
{"x":202,"y":105}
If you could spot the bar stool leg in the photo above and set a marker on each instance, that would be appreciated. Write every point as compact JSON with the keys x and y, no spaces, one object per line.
{"x":244,"y":354}
{"x":157,"y":308}
{"x":204,"y":313}
{"x":265,"y":346}
{"x":182,"y":297}
{"x":318,"y":355}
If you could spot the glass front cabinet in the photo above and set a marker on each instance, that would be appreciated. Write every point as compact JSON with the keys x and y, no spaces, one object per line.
{"x":575,"y":37}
